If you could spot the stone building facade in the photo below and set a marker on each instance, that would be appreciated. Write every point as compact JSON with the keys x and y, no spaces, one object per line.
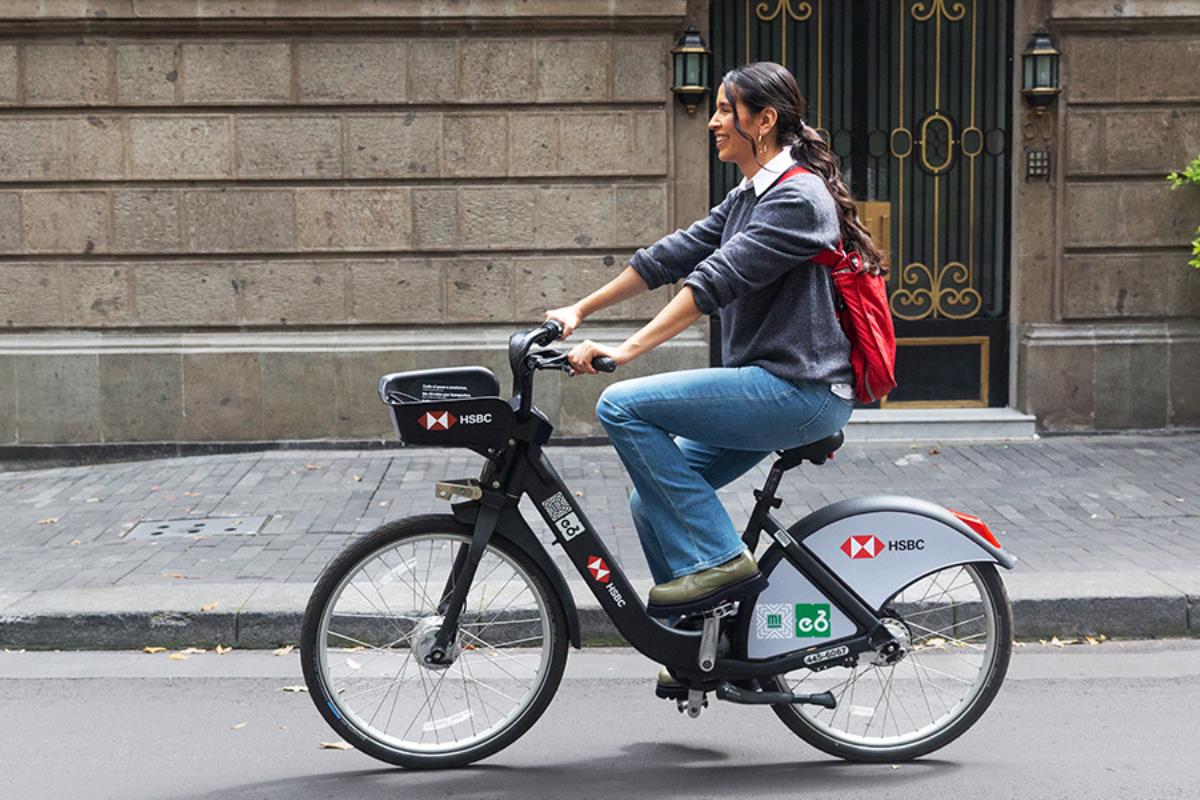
{"x":222,"y":221}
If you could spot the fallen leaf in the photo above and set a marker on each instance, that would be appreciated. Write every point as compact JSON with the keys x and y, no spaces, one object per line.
{"x":283,"y":651}
{"x":239,"y":726}
{"x":312,"y":466}
{"x":1102,"y":638}
{"x":210,"y":606}
{"x":358,"y":478}
{"x":578,"y":493}
{"x":153,"y":650}
{"x":335,"y":746}
{"x":294,"y":689}
{"x":385,"y":503}
{"x":191,"y":494}
{"x":193,"y":650}
{"x":178,"y":657}
{"x":76,"y":541}
{"x":92,"y":500}
{"x":352,"y":664}
{"x":1055,"y":642}
{"x":1018,"y":644}
{"x":1092,"y":640}
{"x":223,"y":650}
{"x":47,"y":521}
{"x":172,"y":574}
{"x":933,"y":451}
{"x":895,"y":766}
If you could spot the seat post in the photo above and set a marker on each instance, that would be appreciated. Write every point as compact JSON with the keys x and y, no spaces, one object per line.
{"x":766,"y":500}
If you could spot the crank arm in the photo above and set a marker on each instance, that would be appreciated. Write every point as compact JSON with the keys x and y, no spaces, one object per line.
{"x":731,"y":693}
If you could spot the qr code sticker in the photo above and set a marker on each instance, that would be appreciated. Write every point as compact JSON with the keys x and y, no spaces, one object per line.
{"x":556,"y":506}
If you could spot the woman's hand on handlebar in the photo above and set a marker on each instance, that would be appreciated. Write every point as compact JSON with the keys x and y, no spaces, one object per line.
{"x":568,"y":316}
{"x":581,"y":355}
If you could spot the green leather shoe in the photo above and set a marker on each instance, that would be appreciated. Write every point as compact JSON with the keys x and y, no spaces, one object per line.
{"x":703,"y":590}
{"x":668,"y":688}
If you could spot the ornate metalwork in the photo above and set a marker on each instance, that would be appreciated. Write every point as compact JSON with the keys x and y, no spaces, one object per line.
{"x":784,"y":6}
{"x":945,"y":291}
{"x":923,"y":10}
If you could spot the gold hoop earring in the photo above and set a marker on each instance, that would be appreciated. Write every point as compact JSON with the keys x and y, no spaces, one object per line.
{"x":762,"y":148}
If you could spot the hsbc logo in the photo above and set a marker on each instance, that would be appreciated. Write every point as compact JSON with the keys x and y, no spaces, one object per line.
{"x":437,"y":420}
{"x":870,"y":546}
{"x":598,"y":568}
{"x":867,"y":546}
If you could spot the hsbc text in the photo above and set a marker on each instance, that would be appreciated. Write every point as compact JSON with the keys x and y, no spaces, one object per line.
{"x":906,"y":544}
{"x":474,"y":419}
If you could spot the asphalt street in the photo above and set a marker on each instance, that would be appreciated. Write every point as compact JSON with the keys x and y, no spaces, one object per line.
{"x":1110,"y":721}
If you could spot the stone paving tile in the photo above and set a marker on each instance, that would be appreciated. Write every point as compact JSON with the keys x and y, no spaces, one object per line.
{"x":1061,"y":504}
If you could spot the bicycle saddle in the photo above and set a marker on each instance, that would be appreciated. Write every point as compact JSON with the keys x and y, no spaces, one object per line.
{"x":817,"y":452}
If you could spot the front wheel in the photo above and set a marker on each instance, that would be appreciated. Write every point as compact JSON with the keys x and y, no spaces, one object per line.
{"x":955,"y":630}
{"x":373,"y":617}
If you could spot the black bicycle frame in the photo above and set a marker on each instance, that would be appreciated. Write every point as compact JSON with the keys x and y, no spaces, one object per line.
{"x":523,"y":468}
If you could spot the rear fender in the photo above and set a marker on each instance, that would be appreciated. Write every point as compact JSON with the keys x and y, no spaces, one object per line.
{"x":878,"y":545}
{"x":516,"y":531}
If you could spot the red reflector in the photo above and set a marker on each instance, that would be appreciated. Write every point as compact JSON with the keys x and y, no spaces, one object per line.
{"x":831,"y":455}
{"x":977,"y":525}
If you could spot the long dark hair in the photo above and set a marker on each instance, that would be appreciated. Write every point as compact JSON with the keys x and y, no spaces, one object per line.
{"x":765,"y":83}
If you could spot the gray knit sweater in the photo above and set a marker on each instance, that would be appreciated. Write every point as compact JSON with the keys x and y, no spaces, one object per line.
{"x":750,"y":258}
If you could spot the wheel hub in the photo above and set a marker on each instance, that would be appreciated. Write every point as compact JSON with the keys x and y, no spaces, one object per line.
{"x":424,"y":638}
{"x":894,"y":651}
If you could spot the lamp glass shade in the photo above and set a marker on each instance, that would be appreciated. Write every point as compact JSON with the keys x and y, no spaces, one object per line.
{"x":692,"y":76}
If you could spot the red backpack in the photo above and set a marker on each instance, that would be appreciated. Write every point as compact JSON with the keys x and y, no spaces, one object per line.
{"x":865,"y":317}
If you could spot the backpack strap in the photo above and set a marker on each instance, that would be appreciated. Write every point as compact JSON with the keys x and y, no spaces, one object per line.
{"x":826,"y":258}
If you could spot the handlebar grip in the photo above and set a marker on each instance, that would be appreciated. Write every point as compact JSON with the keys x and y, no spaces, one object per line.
{"x":604,"y":364}
{"x":554,"y":327}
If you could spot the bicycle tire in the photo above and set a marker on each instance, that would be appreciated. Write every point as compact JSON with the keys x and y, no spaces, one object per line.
{"x":797,"y":718}
{"x":338,"y":575}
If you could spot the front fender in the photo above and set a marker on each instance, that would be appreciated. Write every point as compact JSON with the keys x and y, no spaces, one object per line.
{"x":513,"y":528}
{"x":877,"y":545}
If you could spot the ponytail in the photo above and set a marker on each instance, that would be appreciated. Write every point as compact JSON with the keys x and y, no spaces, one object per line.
{"x":810,"y":151}
{"x":765,"y":83}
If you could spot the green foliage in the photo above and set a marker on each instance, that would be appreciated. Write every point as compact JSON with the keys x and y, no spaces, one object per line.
{"x":1189,"y":174}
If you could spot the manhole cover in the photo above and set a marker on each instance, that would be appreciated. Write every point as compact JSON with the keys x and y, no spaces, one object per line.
{"x":207,"y":526}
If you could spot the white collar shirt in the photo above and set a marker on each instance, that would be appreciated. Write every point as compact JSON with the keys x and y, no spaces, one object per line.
{"x":769,"y":173}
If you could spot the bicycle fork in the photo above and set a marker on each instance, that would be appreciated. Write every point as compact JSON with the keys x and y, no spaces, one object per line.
{"x":458,"y":582}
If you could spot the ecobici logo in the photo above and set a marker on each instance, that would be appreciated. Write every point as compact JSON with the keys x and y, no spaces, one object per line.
{"x":792,"y":620}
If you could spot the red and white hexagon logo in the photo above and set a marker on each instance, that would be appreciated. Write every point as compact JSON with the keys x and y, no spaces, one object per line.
{"x":598,"y":568}
{"x":437,"y":420}
{"x":867,"y":546}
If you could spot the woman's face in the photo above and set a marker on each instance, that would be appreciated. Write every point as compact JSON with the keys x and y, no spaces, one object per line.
{"x":731,"y":145}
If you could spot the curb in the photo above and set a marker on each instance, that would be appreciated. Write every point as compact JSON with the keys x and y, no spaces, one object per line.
{"x":1127,"y":605}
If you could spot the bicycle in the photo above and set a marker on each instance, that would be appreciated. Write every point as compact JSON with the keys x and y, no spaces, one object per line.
{"x":882,"y":634}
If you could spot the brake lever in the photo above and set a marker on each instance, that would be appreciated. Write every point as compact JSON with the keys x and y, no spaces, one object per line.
{"x":556,"y":359}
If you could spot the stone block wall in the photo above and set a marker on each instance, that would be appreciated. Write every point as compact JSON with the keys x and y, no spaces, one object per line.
{"x":224,"y":221}
{"x":1107,"y":308}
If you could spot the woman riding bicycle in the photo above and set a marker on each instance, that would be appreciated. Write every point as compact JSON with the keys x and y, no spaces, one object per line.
{"x":787,"y":375}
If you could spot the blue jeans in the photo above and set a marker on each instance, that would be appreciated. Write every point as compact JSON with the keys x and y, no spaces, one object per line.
{"x":725,"y":421}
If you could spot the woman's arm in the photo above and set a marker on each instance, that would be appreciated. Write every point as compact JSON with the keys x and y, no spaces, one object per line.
{"x":626,"y":285}
{"x":675,"y":317}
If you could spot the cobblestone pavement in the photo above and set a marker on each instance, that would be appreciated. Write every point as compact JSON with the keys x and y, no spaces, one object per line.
{"x":1061,"y":504}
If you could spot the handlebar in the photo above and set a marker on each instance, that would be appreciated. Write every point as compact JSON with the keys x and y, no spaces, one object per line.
{"x":524,"y":363}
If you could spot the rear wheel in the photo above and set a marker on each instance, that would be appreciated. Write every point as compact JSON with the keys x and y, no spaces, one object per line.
{"x":955,"y":628}
{"x":373,"y":617}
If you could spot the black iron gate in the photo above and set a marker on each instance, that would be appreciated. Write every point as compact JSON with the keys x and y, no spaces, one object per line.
{"x":914,"y":97}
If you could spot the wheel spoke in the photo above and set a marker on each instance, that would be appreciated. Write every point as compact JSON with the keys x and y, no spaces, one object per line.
{"x":413,"y":708}
{"x":944,"y":675}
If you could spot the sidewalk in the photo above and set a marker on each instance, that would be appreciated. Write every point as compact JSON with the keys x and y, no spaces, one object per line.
{"x":1107,"y":530}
